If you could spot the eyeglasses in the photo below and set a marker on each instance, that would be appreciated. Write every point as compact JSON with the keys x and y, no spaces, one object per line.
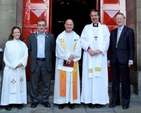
{"x":119,"y":18}
{"x":43,"y":25}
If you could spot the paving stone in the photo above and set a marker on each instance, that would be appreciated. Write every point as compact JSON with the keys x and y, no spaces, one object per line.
{"x":130,"y":110}
{"x":99,"y":110}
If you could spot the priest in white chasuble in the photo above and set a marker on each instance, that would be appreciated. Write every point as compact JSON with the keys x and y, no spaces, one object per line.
{"x":95,"y":43}
{"x":14,"y":76}
{"x":68,"y":53}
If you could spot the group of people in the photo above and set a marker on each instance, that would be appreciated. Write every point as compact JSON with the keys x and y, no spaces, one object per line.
{"x":96,"y":42}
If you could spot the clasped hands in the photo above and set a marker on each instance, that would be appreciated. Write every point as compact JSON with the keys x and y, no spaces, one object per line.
{"x":70,"y":59}
{"x":93,"y":53}
{"x":20,"y":65}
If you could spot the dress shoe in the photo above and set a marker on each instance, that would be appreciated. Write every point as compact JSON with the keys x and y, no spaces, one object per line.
{"x":91,"y":105}
{"x":19,"y":106}
{"x":8,"y":107}
{"x":98,"y":105}
{"x":34,"y":104}
{"x":46,"y":104}
{"x":61,"y":106}
{"x":125,"y":106}
{"x":112,"y":105}
{"x":71,"y":106}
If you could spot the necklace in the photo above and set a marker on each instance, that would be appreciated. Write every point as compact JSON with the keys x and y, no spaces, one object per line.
{"x":40,"y":43}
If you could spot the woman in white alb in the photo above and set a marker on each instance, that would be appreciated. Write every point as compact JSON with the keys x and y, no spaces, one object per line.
{"x":14,"y":77}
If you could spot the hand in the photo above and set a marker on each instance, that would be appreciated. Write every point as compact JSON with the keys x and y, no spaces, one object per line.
{"x":71,"y":56}
{"x":91,"y":52}
{"x":130,"y":63}
{"x":108,"y":63}
{"x":19,"y":65}
{"x":97,"y":52}
{"x":68,"y":61}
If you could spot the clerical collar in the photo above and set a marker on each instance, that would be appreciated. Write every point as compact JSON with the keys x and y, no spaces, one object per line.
{"x":95,"y":25}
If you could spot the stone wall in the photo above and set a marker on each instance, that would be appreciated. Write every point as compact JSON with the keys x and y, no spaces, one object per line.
{"x":7,"y":19}
{"x":19,"y":13}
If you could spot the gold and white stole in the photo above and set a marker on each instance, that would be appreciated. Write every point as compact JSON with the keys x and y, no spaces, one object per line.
{"x":95,"y":62}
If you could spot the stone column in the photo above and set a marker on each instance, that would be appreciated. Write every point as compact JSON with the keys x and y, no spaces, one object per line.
{"x":138,"y":42}
{"x":131,"y":22}
{"x":7,"y":19}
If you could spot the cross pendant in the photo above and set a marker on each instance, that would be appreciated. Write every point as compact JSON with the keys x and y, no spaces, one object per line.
{"x":95,"y":37}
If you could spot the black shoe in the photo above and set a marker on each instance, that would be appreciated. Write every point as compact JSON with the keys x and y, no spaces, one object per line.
{"x":71,"y":106}
{"x":112,"y":105}
{"x":61,"y":106}
{"x":98,"y":105}
{"x":125,"y":106}
{"x":34,"y":104}
{"x":19,"y":106}
{"x":8,"y":107}
{"x":91,"y":105}
{"x":46,"y":104}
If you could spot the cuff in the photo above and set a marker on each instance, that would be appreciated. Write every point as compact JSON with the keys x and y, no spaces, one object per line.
{"x":88,"y":48}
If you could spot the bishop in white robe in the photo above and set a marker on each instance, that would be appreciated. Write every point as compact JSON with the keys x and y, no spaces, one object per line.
{"x":95,"y":72}
{"x":14,"y":79}
{"x":67,"y":44}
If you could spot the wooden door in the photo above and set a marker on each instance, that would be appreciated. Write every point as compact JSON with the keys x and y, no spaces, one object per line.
{"x":108,"y":10}
{"x":32,"y":11}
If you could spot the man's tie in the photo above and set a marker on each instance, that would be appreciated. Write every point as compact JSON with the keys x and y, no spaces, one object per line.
{"x":118,"y":36}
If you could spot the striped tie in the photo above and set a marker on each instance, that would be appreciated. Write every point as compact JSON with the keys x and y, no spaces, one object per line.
{"x":118,"y":36}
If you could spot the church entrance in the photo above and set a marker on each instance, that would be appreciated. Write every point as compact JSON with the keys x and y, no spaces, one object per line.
{"x":55,"y":12}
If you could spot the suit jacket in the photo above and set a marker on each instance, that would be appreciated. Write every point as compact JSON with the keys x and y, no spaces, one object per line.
{"x":49,"y":50}
{"x":125,"y":48}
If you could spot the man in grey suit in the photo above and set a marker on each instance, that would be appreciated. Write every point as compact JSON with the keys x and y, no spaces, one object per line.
{"x":41,"y":47}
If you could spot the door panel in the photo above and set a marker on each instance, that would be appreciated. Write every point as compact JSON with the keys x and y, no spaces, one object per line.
{"x":33,"y":11}
{"x":109,"y":9}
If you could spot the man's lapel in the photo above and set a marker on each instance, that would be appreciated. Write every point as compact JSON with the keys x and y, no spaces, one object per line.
{"x":115,"y":36}
{"x":35,"y":40}
{"x":46,"y":38}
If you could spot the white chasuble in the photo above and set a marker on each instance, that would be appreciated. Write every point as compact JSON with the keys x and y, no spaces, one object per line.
{"x":14,"y":79}
{"x":67,"y":44}
{"x":94,"y":70}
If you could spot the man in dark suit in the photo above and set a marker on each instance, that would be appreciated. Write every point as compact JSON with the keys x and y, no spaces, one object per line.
{"x":41,"y":47}
{"x":120,"y":56}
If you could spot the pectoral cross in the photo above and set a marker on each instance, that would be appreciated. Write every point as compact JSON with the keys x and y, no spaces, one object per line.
{"x":96,"y":38}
